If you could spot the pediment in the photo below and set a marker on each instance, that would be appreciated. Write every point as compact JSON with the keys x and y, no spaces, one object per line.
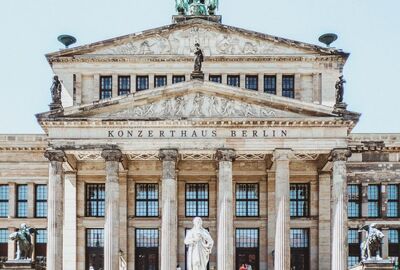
{"x":179,"y":39}
{"x":198,"y":100}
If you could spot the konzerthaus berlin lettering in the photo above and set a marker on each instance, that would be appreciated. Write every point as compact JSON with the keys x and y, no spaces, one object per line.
{"x":258,"y":144}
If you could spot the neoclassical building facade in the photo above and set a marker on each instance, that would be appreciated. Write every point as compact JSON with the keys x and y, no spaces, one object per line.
{"x":259,"y":148}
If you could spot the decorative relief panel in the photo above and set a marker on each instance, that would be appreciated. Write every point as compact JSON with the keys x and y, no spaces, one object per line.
{"x":213,"y":42}
{"x":198,"y":105}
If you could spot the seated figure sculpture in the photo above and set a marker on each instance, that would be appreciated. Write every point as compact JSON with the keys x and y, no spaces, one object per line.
{"x":370,"y":246}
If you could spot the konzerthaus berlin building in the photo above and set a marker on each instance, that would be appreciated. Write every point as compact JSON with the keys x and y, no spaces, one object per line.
{"x":259,"y":149}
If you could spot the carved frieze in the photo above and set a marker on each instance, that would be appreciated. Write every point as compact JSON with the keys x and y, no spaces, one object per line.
{"x":197,"y":105}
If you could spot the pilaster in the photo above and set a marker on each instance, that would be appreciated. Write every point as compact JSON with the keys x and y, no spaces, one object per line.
{"x":70,"y":225}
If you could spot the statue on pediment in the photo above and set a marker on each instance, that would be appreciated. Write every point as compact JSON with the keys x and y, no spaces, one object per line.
{"x":340,"y":89}
{"x":56,"y":94}
{"x":199,"y":58}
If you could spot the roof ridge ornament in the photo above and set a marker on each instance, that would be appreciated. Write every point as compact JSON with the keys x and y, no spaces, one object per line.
{"x":191,"y":9}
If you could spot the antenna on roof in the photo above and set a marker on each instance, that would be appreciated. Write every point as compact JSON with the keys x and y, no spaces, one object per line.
{"x":328,"y":38}
{"x":67,"y":40}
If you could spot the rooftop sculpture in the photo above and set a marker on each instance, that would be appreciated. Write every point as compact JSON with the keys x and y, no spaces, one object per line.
{"x":196,"y":7}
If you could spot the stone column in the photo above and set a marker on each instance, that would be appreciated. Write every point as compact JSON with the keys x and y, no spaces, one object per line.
{"x":324,"y":220}
{"x":169,"y":201}
{"x":111,"y":227}
{"x":70,"y":232}
{"x":225,"y":260}
{"x":339,"y":209}
{"x":281,"y":159}
{"x":55,"y":210}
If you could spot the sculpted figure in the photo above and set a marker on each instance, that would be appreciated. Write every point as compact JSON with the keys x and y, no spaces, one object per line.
{"x":370,"y":246}
{"x":199,"y":58}
{"x":24,"y":242}
{"x":212,"y":6}
{"x":340,"y":89}
{"x":197,"y":8}
{"x":200,"y":245}
{"x":56,"y":91}
{"x":181,"y":6}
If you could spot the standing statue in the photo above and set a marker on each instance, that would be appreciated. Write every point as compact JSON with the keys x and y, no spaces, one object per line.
{"x":199,"y":58}
{"x":212,"y":6}
{"x":340,"y":89}
{"x":181,"y":6}
{"x":370,"y":246}
{"x":200,"y":245}
{"x":197,"y":8}
{"x":55,"y":94}
{"x":24,"y":242}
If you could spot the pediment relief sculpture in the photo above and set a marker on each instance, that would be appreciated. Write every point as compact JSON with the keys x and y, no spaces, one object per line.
{"x":198,"y":105}
{"x":213,"y":42}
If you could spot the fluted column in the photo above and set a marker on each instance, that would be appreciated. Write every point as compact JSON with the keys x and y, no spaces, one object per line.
{"x":169,"y":200}
{"x":111,"y":226}
{"x":339,"y":209}
{"x":225,"y":260}
{"x":55,"y":210}
{"x":281,"y":160}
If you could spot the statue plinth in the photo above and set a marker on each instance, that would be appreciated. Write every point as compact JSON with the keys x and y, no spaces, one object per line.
{"x":197,"y":75}
{"x":55,"y":106}
{"x":19,"y":264}
{"x":184,"y":18}
{"x":341,"y":106}
{"x":378,"y":264}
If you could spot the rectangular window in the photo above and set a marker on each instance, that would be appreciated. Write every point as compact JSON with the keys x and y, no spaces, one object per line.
{"x":160,"y":81}
{"x":288,"y":86}
{"x":270,"y":84}
{"x":105,"y":87}
{"x":216,"y":78}
{"x":147,"y":200}
{"x":4,"y":197}
{"x":299,"y":249}
{"x":354,"y":241}
{"x":247,"y":200}
{"x":95,"y":200}
{"x":233,"y":80}
{"x":354,"y":207}
{"x":41,"y":245}
{"x":178,"y":78}
{"x":196,"y":200}
{"x":374,"y":192}
{"x":22,"y":201}
{"x":41,"y":201}
{"x":94,"y":249}
{"x":393,"y":208}
{"x":299,"y":200}
{"x":3,"y":244}
{"x":146,"y":253}
{"x":142,"y":83}
{"x":394,"y":245}
{"x":247,"y":248}
{"x":124,"y":85}
{"x":252,"y":82}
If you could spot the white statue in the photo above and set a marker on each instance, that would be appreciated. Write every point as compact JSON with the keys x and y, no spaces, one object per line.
{"x":200,"y":244}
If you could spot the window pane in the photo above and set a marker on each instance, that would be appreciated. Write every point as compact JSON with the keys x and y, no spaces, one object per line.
{"x":233,"y":80}
{"x":288,"y":86}
{"x":247,"y":204}
{"x":95,"y":238}
{"x":4,"y":200}
{"x":270,"y":84}
{"x":124,"y":85}
{"x":146,"y":238}
{"x":393,"y":237}
{"x":299,"y":200}
{"x":373,"y":192}
{"x":196,"y":200}
{"x":95,"y":200}
{"x":4,"y":192}
{"x":3,"y":235}
{"x":22,"y":201}
{"x":298,"y":238}
{"x":41,"y":236}
{"x":353,"y":236}
{"x":160,"y":81}
{"x":146,"y":200}
{"x":246,"y":238}
{"x":216,"y":78}
{"x":142,"y":83}
{"x":373,"y":201}
{"x":178,"y":78}
{"x":392,"y":191}
{"x":105,"y":87}
{"x":252,"y":82}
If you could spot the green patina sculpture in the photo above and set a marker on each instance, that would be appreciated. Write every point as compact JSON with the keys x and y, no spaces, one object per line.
{"x":196,"y":7}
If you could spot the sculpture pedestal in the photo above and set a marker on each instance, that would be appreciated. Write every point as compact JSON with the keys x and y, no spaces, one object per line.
{"x":197,"y":75}
{"x":378,"y":265}
{"x":19,"y":264}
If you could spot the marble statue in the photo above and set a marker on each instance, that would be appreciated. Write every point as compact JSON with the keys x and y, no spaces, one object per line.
{"x":199,"y":58}
{"x":24,"y":242}
{"x":200,"y":245}
{"x":370,"y":246}
{"x":340,"y":89}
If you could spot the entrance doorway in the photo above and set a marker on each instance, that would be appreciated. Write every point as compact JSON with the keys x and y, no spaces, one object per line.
{"x":247,"y":249}
{"x":146,"y":255}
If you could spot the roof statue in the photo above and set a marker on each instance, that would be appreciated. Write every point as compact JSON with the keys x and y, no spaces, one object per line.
{"x":196,"y":7}
{"x":55,"y":90}
{"x":370,"y":246}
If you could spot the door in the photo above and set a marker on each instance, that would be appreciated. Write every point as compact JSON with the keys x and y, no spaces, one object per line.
{"x":299,"y":259}
{"x":247,"y":256}
{"x":146,"y":259}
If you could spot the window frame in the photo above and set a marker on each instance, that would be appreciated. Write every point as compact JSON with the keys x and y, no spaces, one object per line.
{"x":4,"y":245}
{"x":147,"y":82}
{"x":164,"y":77}
{"x":354,"y":246}
{"x":147,"y":250}
{"x":39,"y":201}
{"x":97,"y":200}
{"x":247,"y":200}
{"x":93,"y":251}
{"x":288,"y":92}
{"x":394,"y":247}
{"x":174,"y":77}
{"x":40,"y":244}
{"x":229,"y":77}
{"x":358,"y":202}
{"x":297,"y":200}
{"x":266,"y":89}
{"x":121,"y":91}
{"x":247,"y":83}
{"x":147,"y":200}
{"x":295,"y":250}
{"x":247,"y":250}
{"x":18,"y":200}
{"x":105,"y":93}
{"x":6,"y":201}
{"x":394,"y":201}
{"x":377,"y":201}
{"x":215,"y":78}
{"x":197,"y":200}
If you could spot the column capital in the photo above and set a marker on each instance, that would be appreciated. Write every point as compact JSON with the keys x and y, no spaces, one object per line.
{"x":112,"y":154}
{"x":225,"y":154}
{"x":55,"y":155}
{"x":340,"y":154}
{"x":282,"y":154}
{"x":168,"y":155}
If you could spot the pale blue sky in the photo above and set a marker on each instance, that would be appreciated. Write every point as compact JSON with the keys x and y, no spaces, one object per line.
{"x":368,"y":29}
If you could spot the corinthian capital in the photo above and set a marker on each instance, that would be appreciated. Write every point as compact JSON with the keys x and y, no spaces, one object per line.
{"x":282,"y":154}
{"x":55,"y":155}
{"x":112,"y":154}
{"x":341,"y":154}
{"x":225,"y":155}
{"x":168,"y":155}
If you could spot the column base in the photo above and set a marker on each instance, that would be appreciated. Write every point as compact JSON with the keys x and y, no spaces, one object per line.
{"x":378,"y":265}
